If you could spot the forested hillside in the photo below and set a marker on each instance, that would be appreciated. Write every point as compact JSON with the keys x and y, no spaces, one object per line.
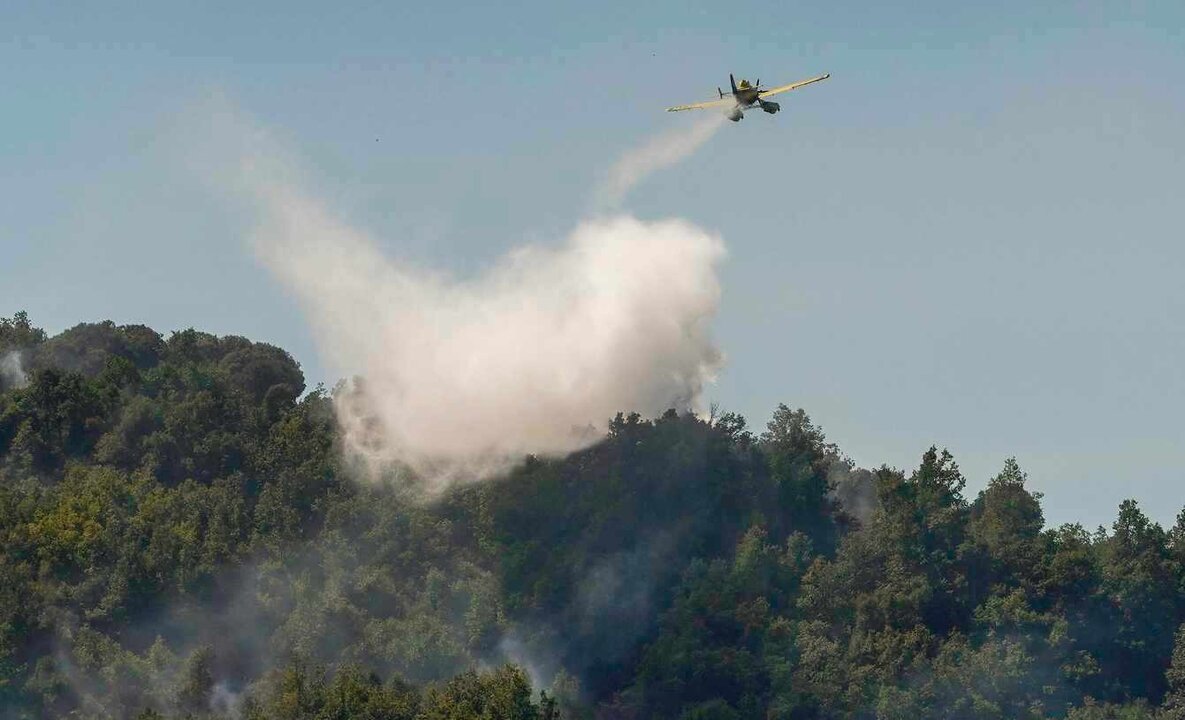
{"x":182,"y":539}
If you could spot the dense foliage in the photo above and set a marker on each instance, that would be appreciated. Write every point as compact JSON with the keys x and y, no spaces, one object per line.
{"x":181,"y":539}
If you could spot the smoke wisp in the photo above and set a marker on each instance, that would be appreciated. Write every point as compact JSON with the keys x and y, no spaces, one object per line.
{"x":459,"y":379}
{"x":660,"y":152}
{"x":12,"y":374}
{"x":854,"y":489}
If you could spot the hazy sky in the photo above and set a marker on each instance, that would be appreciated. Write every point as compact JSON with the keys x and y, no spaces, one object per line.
{"x":971,"y":236}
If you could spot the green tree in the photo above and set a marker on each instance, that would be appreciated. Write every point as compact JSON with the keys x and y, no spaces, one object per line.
{"x":1141,"y":584}
{"x":17,"y":333}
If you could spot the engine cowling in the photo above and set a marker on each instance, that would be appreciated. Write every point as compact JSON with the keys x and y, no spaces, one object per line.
{"x":735,"y":114}
{"x":770,"y":107}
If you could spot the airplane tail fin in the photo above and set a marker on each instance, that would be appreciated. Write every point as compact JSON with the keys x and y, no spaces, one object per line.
{"x":732,"y":81}
{"x":720,"y":92}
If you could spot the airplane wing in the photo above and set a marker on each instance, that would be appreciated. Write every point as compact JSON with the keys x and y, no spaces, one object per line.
{"x":792,"y":86}
{"x":697,"y":106}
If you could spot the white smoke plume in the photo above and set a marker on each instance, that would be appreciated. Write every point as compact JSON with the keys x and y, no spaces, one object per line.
{"x":459,"y":379}
{"x":659,"y":153}
{"x":12,"y":374}
{"x":225,"y":702}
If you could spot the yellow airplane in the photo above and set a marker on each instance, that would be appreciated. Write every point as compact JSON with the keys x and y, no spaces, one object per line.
{"x":744,"y":96}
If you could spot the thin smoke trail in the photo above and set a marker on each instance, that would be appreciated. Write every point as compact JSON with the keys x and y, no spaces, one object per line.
{"x":660,"y":152}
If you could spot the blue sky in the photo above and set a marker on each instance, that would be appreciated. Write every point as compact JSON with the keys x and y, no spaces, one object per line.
{"x":971,"y":236}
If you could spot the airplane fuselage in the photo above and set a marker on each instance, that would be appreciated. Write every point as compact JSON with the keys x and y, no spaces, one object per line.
{"x":746,"y":98}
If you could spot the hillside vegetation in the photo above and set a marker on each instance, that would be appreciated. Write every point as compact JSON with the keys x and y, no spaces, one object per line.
{"x":182,"y":539}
